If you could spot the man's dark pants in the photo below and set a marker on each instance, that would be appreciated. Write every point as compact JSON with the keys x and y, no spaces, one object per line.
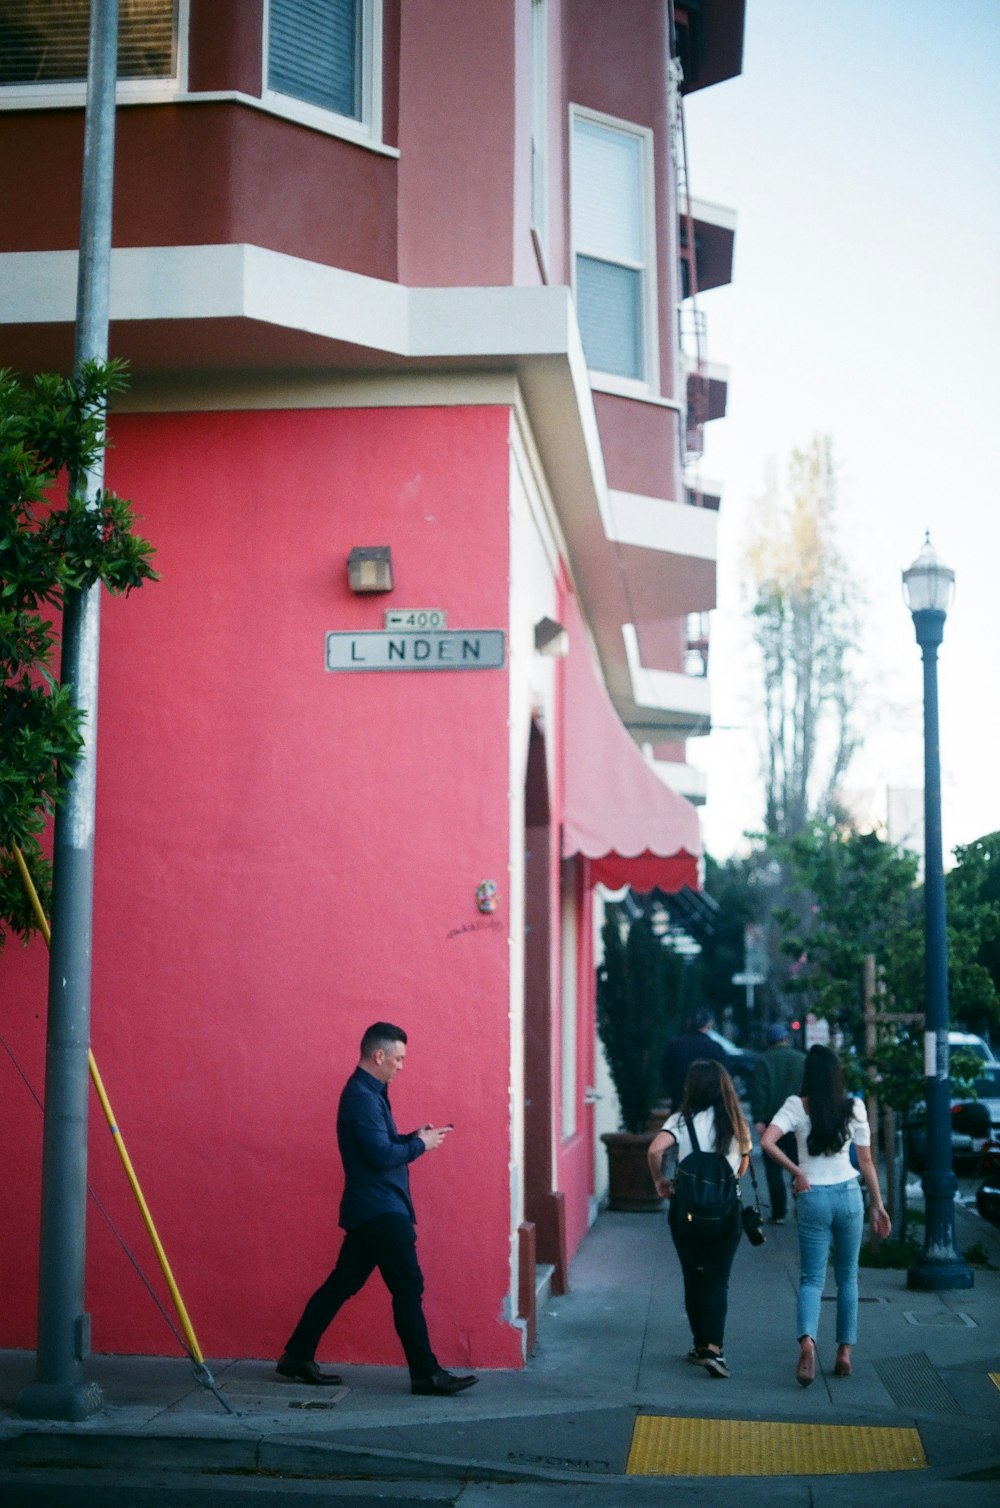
{"x":388,"y":1242}
{"x":776,"y":1175}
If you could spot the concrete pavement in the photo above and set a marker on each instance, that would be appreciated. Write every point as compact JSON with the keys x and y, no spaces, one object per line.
{"x":611,"y":1351}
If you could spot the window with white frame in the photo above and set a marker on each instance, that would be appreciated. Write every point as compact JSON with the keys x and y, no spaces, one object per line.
{"x":613,"y":246}
{"x":44,"y":44}
{"x":322,"y":54}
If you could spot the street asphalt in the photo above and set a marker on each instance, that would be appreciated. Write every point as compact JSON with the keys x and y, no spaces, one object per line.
{"x":610,"y":1352}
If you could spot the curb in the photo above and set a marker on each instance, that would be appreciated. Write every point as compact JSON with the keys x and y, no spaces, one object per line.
{"x":319,"y":1462}
{"x":313,"y":1459}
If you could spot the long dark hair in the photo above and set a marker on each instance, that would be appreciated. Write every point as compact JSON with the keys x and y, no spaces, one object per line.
{"x":709,"y":1087}
{"x":830,"y":1107}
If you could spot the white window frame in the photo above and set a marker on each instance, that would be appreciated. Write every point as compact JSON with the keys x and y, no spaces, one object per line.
{"x":127,"y":91}
{"x":368,"y":130}
{"x":612,"y":382}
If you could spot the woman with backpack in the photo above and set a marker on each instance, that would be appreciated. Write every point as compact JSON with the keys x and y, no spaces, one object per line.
{"x":827,"y":1122}
{"x":713,"y":1148}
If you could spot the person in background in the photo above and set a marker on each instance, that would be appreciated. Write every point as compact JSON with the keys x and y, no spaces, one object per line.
{"x":690,"y":1044}
{"x":711,"y":1102}
{"x":776,"y":1074}
{"x":826,"y":1122}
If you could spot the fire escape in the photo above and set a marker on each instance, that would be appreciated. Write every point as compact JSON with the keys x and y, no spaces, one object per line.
{"x":692,"y":339}
{"x":692,"y":348}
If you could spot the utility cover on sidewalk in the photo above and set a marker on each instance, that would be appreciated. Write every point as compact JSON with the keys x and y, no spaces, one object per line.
{"x":667,"y":1447}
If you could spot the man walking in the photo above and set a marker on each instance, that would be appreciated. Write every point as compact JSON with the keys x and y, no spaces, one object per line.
{"x":777,"y":1074}
{"x":376,"y":1213}
{"x":686,"y":1048}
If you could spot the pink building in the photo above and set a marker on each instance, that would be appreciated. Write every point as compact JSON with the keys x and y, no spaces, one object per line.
{"x":412,"y":275}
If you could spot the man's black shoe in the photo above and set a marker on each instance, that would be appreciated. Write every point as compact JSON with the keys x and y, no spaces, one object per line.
{"x":442,"y":1384}
{"x":306,"y":1371}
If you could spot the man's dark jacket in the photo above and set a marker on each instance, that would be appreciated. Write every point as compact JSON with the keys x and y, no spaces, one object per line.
{"x":777,"y":1074}
{"x":684,"y":1050}
{"x":376,"y":1158}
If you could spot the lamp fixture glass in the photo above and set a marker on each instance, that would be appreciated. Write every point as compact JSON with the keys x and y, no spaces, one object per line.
{"x":928,"y":585}
{"x":369,"y":568}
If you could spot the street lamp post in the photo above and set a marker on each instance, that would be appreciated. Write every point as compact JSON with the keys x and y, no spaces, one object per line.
{"x":928,"y":587}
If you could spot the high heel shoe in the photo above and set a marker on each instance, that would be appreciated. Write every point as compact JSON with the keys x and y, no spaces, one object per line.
{"x":842,"y":1366}
{"x":805,"y":1372}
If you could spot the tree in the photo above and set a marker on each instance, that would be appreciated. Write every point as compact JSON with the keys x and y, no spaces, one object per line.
{"x":51,"y":430}
{"x":973,"y":903}
{"x":858,"y":895}
{"x":736,"y":888}
{"x":855,"y":896}
{"x":640,"y":1004}
{"x":804,"y":617}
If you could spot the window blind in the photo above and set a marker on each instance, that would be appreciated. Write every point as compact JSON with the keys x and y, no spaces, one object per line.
{"x":47,"y":41}
{"x":314,"y":53}
{"x":607,"y":192}
{"x":609,"y":311}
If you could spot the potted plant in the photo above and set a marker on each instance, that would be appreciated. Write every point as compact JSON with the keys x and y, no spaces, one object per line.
{"x":639,"y":1006}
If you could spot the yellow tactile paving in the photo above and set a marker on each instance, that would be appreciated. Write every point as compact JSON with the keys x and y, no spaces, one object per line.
{"x":667,"y":1447}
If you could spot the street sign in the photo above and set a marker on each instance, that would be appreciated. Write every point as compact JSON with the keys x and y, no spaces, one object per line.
{"x":448,"y":649}
{"x":749,"y":978}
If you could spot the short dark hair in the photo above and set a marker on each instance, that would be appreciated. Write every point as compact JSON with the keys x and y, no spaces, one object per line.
{"x":380,"y":1034}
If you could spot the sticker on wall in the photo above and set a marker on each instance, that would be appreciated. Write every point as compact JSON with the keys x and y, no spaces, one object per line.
{"x":487,"y":899}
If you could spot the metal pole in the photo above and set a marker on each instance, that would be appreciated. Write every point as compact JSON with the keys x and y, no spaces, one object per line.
{"x":939,"y":1265}
{"x":59,"y":1390}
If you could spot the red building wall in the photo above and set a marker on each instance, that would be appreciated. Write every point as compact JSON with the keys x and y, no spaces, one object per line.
{"x":284,"y":855}
{"x":223,"y":173}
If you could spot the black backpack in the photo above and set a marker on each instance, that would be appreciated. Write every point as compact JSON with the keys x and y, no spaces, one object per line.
{"x":706,"y":1194}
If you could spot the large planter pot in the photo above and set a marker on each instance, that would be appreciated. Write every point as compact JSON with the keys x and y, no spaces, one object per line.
{"x":630,"y":1188}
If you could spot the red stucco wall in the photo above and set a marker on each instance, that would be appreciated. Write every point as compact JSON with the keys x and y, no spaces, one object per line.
{"x":224,"y":173}
{"x":283,"y":856}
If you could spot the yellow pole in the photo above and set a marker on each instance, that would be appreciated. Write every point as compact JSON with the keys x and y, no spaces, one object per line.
{"x":95,"y":1077}
{"x":29,"y":886}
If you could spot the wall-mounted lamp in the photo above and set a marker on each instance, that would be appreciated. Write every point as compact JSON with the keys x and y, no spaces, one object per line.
{"x":551,"y":638}
{"x":369,"y":568}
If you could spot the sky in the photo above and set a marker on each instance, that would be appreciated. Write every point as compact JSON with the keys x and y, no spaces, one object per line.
{"x":860,"y":149}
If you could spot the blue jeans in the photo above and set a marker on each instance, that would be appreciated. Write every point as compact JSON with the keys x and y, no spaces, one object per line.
{"x":830,"y":1210}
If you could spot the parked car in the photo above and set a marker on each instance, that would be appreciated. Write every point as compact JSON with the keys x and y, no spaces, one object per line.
{"x":970,"y":1127}
{"x":739,"y":1060}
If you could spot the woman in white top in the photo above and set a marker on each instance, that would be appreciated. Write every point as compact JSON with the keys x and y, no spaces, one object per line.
{"x":826,"y":1122}
{"x":711,"y":1102}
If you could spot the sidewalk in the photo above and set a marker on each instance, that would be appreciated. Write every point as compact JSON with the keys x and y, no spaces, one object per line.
{"x":610,"y":1351}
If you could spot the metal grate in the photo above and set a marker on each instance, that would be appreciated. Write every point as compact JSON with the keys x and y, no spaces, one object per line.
{"x":912,"y":1383}
{"x":940,"y":1317}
